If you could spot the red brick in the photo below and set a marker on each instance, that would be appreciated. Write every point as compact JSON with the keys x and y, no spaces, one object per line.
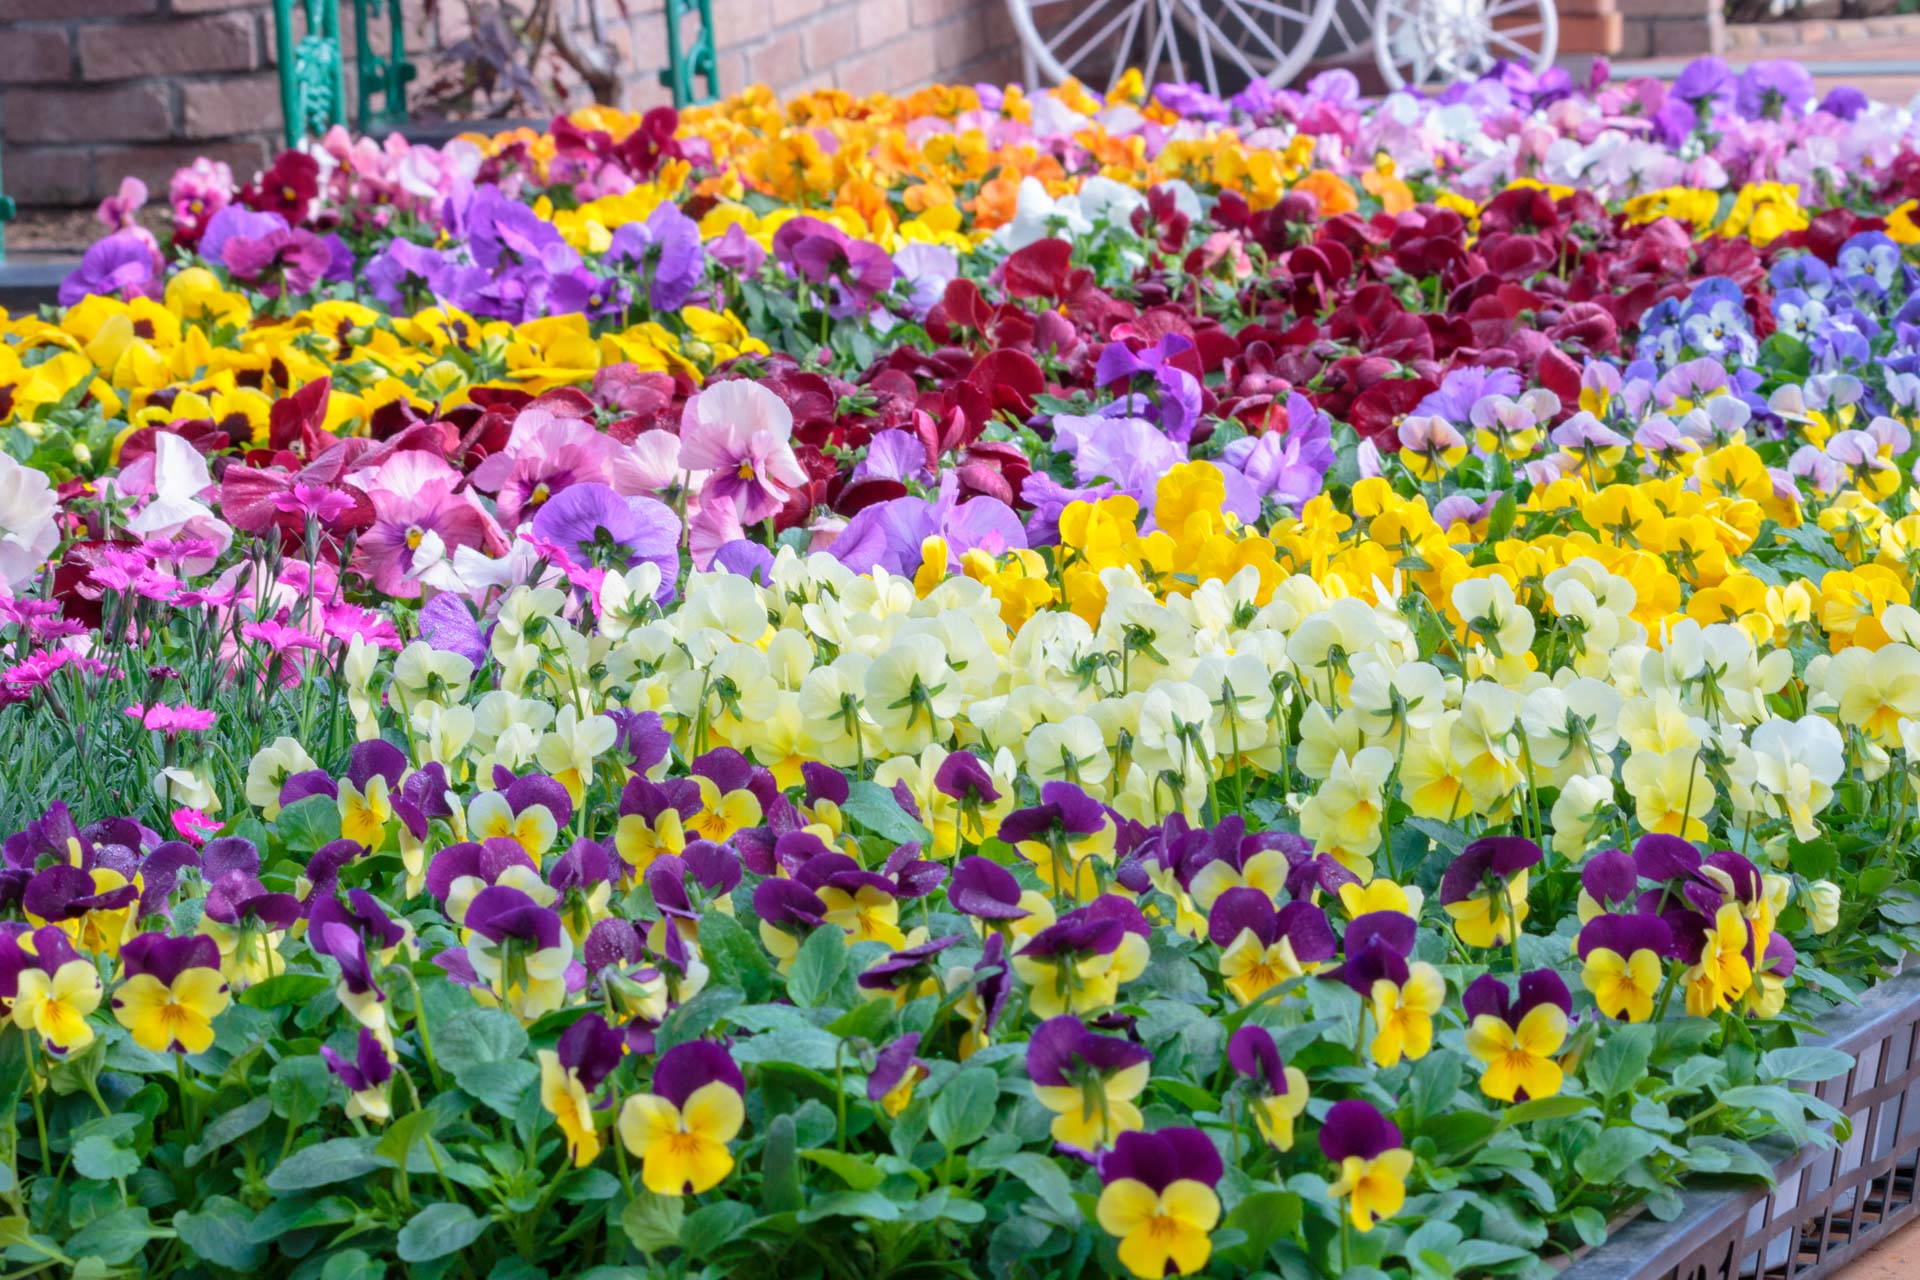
{"x":124,"y":113}
{"x":62,"y":10}
{"x":1685,"y":36}
{"x":155,"y":165}
{"x":881,"y":21}
{"x":229,"y":106}
{"x":778,"y":62}
{"x":828,"y":39}
{"x":215,"y":42}
{"x":50,"y":176}
{"x":37,"y":55}
{"x":868,"y":74}
{"x":929,"y":12}
{"x":738,"y":22}
{"x":1598,"y":33}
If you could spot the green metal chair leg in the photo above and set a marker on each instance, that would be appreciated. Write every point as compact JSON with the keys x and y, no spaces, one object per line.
{"x":684,"y":64}
{"x":382,"y":77}
{"x":7,"y":210}
{"x":313,"y":77}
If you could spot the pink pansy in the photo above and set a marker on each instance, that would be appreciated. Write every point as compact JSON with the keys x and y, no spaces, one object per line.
{"x":741,"y":432}
{"x":545,"y":454}
{"x":414,"y":493}
{"x":118,"y":209}
{"x":649,"y":465}
{"x":711,"y":526}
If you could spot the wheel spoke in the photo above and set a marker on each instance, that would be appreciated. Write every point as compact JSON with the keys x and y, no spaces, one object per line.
{"x":1094,"y":41}
{"x":1206,"y":50}
{"x":1173,"y":41}
{"x":1126,"y":42}
{"x":1058,"y":39}
{"x":1278,"y":10}
{"x":1227,"y":46}
{"x":1251,"y":27}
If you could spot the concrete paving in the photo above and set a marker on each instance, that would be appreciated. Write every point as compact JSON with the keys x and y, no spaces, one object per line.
{"x":1895,"y":1259}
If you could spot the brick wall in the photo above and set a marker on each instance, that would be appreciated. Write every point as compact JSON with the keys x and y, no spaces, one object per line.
{"x":1672,"y":28}
{"x":143,"y":86}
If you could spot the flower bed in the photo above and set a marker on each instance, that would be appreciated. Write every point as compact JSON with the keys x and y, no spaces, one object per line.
{"x":1827,"y":1206}
{"x":987,"y":682}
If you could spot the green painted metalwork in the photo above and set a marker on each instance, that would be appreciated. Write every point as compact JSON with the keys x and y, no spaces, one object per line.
{"x":313,"y":76}
{"x":7,"y":210}
{"x":686,"y":62}
{"x":313,"y":73}
{"x":313,"y":90}
{"x":386,"y":77}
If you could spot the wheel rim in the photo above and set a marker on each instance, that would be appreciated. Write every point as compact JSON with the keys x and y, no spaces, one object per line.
{"x":1221,"y":44}
{"x":1426,"y":41}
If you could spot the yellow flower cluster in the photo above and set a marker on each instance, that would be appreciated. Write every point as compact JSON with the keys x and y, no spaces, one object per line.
{"x":204,"y":354}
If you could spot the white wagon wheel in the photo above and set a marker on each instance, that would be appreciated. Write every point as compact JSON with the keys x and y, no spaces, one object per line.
{"x":1221,"y":44}
{"x":1439,"y":41}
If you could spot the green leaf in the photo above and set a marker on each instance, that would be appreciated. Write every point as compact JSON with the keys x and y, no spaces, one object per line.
{"x":1558,"y":1107}
{"x":501,"y":1085}
{"x":285,"y":990}
{"x":1267,"y":1217}
{"x":707,"y":1229}
{"x":870,"y":1205}
{"x":353,"y":1264}
{"x":964,"y":1106}
{"x":325,"y":1163}
{"x":438,"y":1230}
{"x":307,"y":824}
{"x":1612,"y":1153}
{"x":1041,"y":1176}
{"x":1500,"y":522}
{"x":865,"y":1021}
{"x":1590,"y":1225}
{"x":299,"y":1087}
{"x":698,"y":1015}
{"x":218,"y":1232}
{"x":1447,"y":837}
{"x":779,"y":1168}
{"x":1808,"y":1064}
{"x":653,"y":1222}
{"x":821,"y":961}
{"x":115,"y":1237}
{"x":1715,"y":1153}
{"x":227,"y":1126}
{"x":396,"y":1144}
{"x":98,"y":1156}
{"x":1778,"y":1103}
{"x":856,"y":1171}
{"x":1430,"y":1089}
{"x":874,"y":808}
{"x":734,"y":957}
{"x":1620,"y":1063}
{"x":473,"y":1036}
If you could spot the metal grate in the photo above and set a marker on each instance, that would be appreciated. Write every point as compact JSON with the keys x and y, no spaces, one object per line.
{"x":1826,"y":1206}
